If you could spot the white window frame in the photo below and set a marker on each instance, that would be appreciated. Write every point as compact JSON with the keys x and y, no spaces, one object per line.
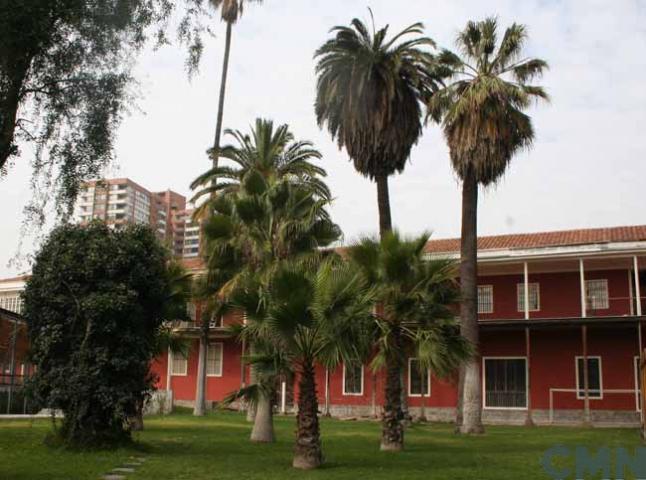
{"x":428,"y":373}
{"x":484,"y":383}
{"x":638,"y":407}
{"x":580,"y":388}
{"x":588,"y":302}
{"x":520,"y":296}
{"x":353,"y":394}
{"x":489,"y":288}
{"x":173,"y":373}
{"x":209,"y":346}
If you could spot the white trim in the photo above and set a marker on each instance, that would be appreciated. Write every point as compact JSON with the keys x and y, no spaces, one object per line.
{"x":638,"y":407}
{"x":428,"y":384}
{"x":584,"y":297}
{"x":172,"y":372}
{"x":513,"y":255}
{"x":212,"y":344}
{"x":524,"y":288}
{"x":578,"y":387}
{"x":631,"y":293}
{"x":490,"y":287}
{"x":343,"y":385}
{"x":484,"y":383}
{"x":637,"y":286}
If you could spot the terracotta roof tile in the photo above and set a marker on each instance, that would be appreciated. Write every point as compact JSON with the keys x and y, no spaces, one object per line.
{"x":545,"y":239}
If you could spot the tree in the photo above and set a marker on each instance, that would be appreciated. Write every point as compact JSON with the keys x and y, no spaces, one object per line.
{"x":416,"y":298}
{"x":230,"y":12}
{"x":64,"y":81}
{"x":271,"y":152}
{"x":312,"y":314}
{"x":257,"y":201}
{"x":94,"y":305}
{"x":250,"y":233}
{"x":369,"y":95}
{"x":481,"y":110}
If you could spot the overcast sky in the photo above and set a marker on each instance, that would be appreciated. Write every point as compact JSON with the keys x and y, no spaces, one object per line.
{"x":587,"y":167}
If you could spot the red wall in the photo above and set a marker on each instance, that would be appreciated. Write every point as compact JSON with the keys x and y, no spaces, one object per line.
{"x":560,"y":294}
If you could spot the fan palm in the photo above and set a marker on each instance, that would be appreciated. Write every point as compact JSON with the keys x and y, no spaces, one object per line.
{"x":369,"y":95}
{"x":250,"y":231}
{"x":230,"y":13}
{"x":416,"y":296}
{"x":312,"y":314}
{"x":267,"y":163}
{"x":482,"y":115}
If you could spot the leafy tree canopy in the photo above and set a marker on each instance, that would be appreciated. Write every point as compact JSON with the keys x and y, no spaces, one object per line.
{"x":66,"y":81}
{"x":94,"y":307}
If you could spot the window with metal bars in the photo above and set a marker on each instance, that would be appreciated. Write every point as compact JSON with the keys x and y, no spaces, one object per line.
{"x":534,"y":297}
{"x":596,"y":294}
{"x":485,"y":298}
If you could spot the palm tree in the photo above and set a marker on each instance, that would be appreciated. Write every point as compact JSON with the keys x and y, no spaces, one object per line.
{"x":265,"y":158}
{"x":416,"y":296}
{"x":369,"y":94}
{"x":482,"y":115}
{"x":270,"y":151}
{"x":312,"y":314}
{"x":256,"y":229}
{"x":230,"y":12}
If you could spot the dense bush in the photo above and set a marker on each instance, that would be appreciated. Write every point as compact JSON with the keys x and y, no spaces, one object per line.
{"x":94,"y":305}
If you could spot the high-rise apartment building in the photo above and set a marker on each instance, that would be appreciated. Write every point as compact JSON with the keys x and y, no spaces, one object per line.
{"x":120,"y":201}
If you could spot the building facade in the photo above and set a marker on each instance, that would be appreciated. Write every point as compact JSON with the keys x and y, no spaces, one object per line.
{"x":120,"y":201}
{"x":560,"y":317}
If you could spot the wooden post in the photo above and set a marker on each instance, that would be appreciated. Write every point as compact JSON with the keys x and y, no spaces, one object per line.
{"x":586,"y":386}
{"x":529,"y":421}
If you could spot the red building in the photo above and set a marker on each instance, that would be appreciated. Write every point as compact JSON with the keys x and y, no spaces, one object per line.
{"x":560,"y":317}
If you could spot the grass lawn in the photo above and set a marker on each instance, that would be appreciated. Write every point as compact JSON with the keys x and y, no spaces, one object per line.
{"x":180,"y":446}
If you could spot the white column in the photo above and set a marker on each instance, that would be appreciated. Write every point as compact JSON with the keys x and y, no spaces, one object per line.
{"x":584,"y":307}
{"x":526,"y":286}
{"x":283,"y":397}
{"x":637,"y":288}
{"x":168,"y":370}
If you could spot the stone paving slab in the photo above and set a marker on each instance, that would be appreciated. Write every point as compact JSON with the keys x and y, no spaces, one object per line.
{"x":123,"y":470}
{"x":111,"y":476}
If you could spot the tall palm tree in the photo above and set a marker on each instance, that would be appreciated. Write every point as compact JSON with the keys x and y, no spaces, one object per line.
{"x":230,"y":13}
{"x":416,"y":296}
{"x":369,"y":95}
{"x":482,"y":115}
{"x":313,"y":314}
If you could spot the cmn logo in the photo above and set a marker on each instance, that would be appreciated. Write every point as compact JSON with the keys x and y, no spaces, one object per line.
{"x":594,"y":465}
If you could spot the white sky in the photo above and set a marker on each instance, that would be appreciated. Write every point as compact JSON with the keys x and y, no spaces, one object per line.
{"x":587,"y":168}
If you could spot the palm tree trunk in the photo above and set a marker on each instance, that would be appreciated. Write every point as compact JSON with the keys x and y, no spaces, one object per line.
{"x":307,"y":452}
{"x":458,"y":409}
{"x":223,"y":88}
{"x":392,"y":436}
{"x":263,"y":425}
{"x":199,"y":410}
{"x":383,"y":203}
{"x":253,"y":380}
{"x":471,"y":391}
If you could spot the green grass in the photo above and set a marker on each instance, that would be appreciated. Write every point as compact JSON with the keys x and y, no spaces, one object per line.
{"x":217,"y":447}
